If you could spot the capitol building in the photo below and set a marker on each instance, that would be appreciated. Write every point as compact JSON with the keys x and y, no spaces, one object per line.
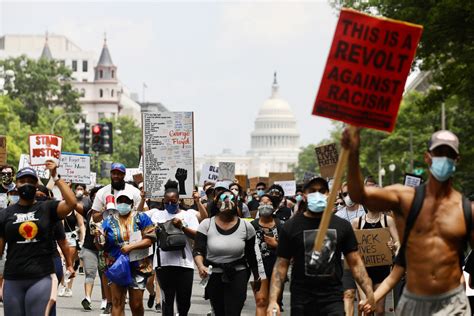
{"x":274,"y":141}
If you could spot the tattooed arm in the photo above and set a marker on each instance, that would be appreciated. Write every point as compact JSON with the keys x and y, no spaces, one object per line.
{"x":278,"y":278}
{"x":360,"y":275}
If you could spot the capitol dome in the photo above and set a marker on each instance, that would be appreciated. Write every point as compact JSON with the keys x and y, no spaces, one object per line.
{"x":275,"y":126}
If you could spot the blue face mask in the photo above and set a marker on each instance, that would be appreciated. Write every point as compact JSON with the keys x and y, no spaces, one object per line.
{"x":317,"y":202}
{"x":260,"y":192}
{"x":171,"y":208}
{"x":442,"y":168}
{"x":298,"y":198}
{"x":124,"y":208}
{"x":14,"y":199}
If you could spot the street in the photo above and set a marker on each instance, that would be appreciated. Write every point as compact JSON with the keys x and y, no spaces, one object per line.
{"x":71,"y":306}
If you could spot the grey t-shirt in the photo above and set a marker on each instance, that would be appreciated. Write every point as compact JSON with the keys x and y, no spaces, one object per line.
{"x":223,"y":247}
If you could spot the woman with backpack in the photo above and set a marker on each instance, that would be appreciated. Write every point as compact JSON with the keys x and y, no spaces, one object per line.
{"x":174,"y":259}
{"x":227,"y":243}
{"x":126,"y":231}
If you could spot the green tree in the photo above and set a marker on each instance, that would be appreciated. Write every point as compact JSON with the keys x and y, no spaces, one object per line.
{"x":41,"y":84}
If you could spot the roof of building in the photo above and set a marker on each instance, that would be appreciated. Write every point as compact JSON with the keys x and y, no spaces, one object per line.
{"x":105,"y":59}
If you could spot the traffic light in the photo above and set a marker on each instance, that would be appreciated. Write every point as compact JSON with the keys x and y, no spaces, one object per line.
{"x":97,"y":137}
{"x":85,"y":138}
{"x":107,"y":138}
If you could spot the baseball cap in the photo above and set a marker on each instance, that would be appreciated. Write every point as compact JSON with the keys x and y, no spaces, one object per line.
{"x":127,"y":193}
{"x":444,"y":137}
{"x":118,"y":166}
{"x":314,"y":180}
{"x":26,"y":172}
{"x":222,"y":184}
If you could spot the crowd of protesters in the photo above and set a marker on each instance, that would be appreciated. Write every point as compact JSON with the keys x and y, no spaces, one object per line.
{"x":232,"y":237}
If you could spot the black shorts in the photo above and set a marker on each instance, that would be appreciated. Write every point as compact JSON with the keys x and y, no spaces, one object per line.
{"x":378,"y":274}
{"x":348,"y":282}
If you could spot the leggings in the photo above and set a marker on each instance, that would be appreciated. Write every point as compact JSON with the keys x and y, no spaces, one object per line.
{"x":29,"y":297}
{"x":227,"y":299}
{"x":175,"y":281}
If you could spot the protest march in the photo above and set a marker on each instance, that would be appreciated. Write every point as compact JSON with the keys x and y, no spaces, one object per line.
{"x":122,"y":214}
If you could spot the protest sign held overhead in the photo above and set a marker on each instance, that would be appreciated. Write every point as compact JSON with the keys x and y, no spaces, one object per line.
{"x":227,"y":171}
{"x":280,"y":176}
{"x":44,"y":148}
{"x":289,"y":187}
{"x":373,"y":246}
{"x":366,"y":70}
{"x":327,"y":159}
{"x":168,"y":154}
{"x":3,"y":149}
{"x":209,"y":174}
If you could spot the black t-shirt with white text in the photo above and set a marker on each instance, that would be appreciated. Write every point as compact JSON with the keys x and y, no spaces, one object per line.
{"x":28,"y":233}
{"x":318,"y":276}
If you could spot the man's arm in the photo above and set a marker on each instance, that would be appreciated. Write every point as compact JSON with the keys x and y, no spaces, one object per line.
{"x":279,"y":273}
{"x":201,"y":208}
{"x":360,"y":275}
{"x":373,"y":198}
{"x":69,"y":203}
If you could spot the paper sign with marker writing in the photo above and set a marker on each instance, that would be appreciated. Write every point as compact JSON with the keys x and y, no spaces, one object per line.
{"x":168,"y":152}
{"x":327,"y":159}
{"x":227,"y":171}
{"x":43,"y":148}
{"x":75,"y":168}
{"x":289,"y":187}
{"x":366,"y":70}
{"x":209,"y":174}
{"x":373,"y":246}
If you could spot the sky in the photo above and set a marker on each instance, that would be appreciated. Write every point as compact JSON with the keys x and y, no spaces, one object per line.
{"x":214,"y":58}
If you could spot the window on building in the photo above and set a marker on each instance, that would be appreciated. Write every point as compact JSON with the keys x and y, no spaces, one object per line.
{"x":84,"y":80}
{"x":74,"y":65}
{"x":101,"y":115}
{"x":101,"y":93}
{"x":62,"y":62}
{"x":112,"y":93}
{"x":101,"y":74}
{"x":113,"y":74}
{"x":83,"y":92}
{"x":84,"y":66}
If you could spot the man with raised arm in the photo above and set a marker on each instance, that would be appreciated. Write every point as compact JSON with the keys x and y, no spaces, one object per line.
{"x":439,"y":232}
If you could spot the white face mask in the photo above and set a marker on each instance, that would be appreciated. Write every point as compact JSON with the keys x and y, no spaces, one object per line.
{"x":79,"y":194}
{"x":235,"y":191}
{"x":348,"y":201}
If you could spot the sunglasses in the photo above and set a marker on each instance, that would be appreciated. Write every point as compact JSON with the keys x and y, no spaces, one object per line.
{"x":225,"y":196}
{"x":339,"y":204}
{"x":7,"y":174}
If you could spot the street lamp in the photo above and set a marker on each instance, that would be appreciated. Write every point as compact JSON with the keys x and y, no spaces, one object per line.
{"x":392,"y":168}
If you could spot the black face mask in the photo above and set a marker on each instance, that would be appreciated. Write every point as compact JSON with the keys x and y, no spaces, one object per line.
{"x":119,"y":186}
{"x":27,"y":191}
{"x":276,"y":200}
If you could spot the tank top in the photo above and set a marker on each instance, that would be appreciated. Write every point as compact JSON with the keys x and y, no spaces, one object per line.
{"x":70,"y":222}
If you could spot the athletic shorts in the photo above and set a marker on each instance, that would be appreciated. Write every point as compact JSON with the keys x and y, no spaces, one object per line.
{"x":348,"y":282}
{"x":454,"y":302}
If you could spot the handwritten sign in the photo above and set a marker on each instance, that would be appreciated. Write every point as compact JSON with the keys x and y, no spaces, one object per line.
{"x":168,"y":139}
{"x":253,"y":182}
{"x":243,"y":181}
{"x":75,"y":168}
{"x":227,"y":171}
{"x":412,"y":180}
{"x":289,"y":187}
{"x":209,"y":174}
{"x":3,"y":149}
{"x":44,"y":148}
{"x":373,"y":246}
{"x":366,"y":70}
{"x":327,"y":159}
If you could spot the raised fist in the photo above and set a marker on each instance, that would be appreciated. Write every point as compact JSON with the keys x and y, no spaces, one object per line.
{"x":181,"y":175}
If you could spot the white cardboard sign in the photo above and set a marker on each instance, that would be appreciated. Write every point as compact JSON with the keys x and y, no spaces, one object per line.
{"x":45,"y":147}
{"x":227,"y":171}
{"x":289,"y":187}
{"x":209,"y":174}
{"x":168,"y":154}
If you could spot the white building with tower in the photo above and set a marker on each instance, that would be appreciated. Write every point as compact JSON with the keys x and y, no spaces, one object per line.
{"x":102,"y":93}
{"x":274,"y":141}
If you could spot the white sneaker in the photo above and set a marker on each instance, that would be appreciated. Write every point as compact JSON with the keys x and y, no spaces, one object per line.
{"x":61,"y":291}
{"x":68,"y":293}
{"x":103,"y":305}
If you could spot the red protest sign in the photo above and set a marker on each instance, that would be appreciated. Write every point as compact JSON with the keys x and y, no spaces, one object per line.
{"x":44,"y":147}
{"x":366,"y":70}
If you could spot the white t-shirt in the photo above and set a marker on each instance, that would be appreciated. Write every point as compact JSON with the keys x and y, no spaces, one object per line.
{"x":175,"y":258}
{"x":99,"y":200}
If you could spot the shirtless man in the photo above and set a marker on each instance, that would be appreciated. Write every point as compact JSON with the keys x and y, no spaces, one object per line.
{"x":438,"y":235}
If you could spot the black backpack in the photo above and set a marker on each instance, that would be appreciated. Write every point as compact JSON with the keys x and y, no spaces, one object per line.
{"x":170,"y":237}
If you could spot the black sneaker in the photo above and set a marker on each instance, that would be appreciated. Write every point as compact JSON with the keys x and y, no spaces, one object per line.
{"x":158,"y":308}
{"x":81,"y":270}
{"x":108,"y":309}
{"x":86,"y":304}
{"x":151,"y":301}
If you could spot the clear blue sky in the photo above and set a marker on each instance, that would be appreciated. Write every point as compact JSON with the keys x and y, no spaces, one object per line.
{"x":214,"y":58}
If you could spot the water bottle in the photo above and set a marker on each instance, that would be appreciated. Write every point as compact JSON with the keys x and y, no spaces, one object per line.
{"x":67,"y":274}
{"x":274,"y":312}
{"x":206,"y":279}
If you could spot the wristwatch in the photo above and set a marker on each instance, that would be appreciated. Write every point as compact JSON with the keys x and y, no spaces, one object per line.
{"x":56,"y":178}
